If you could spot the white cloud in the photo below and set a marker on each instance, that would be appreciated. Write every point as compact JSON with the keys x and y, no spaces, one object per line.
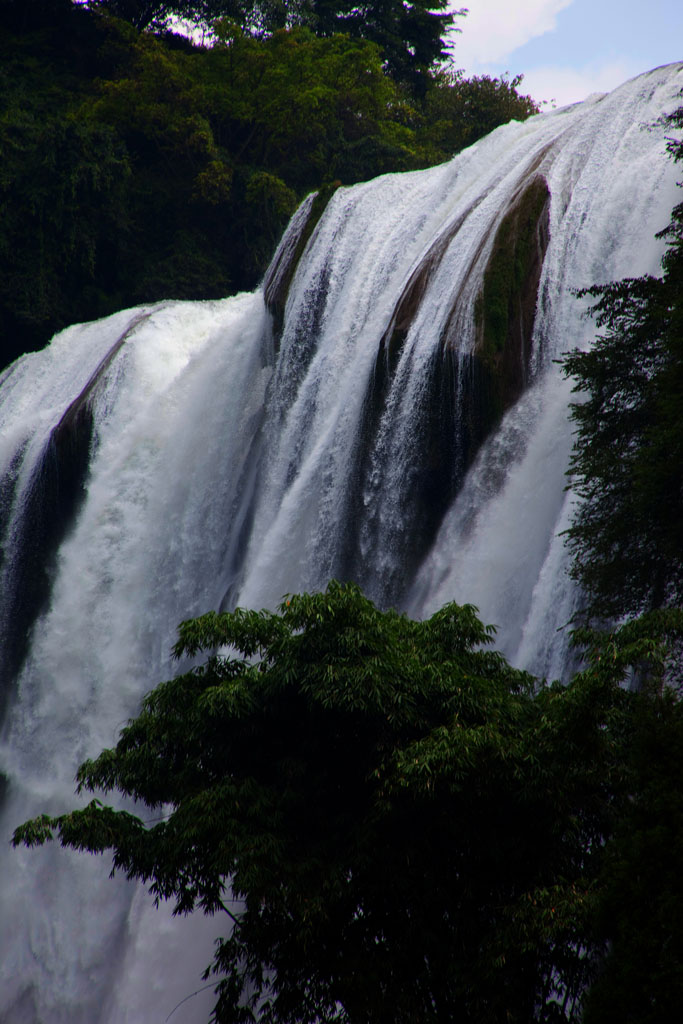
{"x":563,"y":85}
{"x":494,"y":28}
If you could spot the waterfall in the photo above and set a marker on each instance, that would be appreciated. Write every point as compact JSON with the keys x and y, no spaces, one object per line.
{"x":357,"y":417}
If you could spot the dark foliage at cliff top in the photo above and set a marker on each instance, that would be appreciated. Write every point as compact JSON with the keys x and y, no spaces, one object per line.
{"x":411,"y":34}
{"x":138,"y":167}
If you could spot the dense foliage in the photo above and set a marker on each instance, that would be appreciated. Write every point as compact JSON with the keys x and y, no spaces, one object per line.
{"x":411,"y":34}
{"x":627,"y":463}
{"x":397,"y":824}
{"x":638,"y":915}
{"x":138,"y":167}
{"x":627,"y":542}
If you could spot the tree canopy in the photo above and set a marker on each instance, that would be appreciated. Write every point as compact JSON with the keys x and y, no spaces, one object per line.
{"x":395,"y":824}
{"x":627,"y":541}
{"x":638,"y":913}
{"x":627,"y":461}
{"x":411,"y":34}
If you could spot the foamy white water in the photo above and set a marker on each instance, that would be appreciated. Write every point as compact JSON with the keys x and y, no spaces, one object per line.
{"x":220,"y":473}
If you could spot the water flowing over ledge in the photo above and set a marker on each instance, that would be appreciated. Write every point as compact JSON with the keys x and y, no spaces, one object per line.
{"x":399,"y":422}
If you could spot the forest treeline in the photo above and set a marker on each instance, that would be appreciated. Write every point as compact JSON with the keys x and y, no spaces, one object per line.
{"x":138,"y":165}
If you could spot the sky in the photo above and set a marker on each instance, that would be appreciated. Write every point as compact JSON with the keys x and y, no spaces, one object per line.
{"x":568,"y":49}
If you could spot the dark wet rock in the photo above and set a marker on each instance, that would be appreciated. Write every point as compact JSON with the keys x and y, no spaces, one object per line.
{"x":281,"y":271}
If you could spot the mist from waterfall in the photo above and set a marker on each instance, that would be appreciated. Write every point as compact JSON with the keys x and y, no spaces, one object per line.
{"x":227,"y":462}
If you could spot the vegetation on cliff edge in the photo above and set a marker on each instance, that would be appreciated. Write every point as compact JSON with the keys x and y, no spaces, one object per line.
{"x":139,"y":166}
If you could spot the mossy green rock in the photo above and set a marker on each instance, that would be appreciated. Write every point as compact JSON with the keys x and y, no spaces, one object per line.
{"x":505,"y":308}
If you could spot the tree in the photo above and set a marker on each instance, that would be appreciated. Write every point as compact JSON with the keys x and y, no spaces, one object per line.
{"x":627,"y":542}
{"x":627,"y":463}
{"x":397,"y":825}
{"x":133,"y":165}
{"x":638,"y":913}
{"x":461,"y":110}
{"x":262,"y":17}
{"x":156,"y":14}
{"x":411,"y":35}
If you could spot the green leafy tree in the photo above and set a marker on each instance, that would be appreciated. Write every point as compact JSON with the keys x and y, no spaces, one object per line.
{"x":27,"y":14}
{"x":460,"y":110}
{"x":140,"y":13}
{"x":627,"y":464}
{"x":411,"y":35}
{"x":395,"y":823}
{"x":627,"y":542}
{"x":157,"y":15}
{"x":64,"y":184}
{"x":133,"y":169}
{"x":259,"y":17}
{"x":638,"y":914}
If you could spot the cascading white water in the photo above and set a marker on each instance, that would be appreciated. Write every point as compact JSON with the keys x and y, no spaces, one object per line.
{"x":220,"y":472}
